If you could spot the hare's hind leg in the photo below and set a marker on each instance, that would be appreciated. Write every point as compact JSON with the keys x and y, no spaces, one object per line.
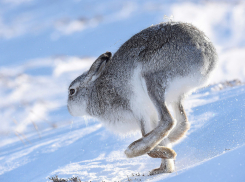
{"x":167,"y":164}
{"x":182,"y":125}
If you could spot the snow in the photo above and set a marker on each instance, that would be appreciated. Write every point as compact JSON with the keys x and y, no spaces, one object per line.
{"x":227,"y":167}
{"x":45,"y":45}
{"x":214,"y":144}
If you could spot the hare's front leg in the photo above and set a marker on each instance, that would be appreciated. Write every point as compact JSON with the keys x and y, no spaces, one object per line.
{"x":166,"y":123}
{"x":153,"y":138}
{"x":163,"y":150}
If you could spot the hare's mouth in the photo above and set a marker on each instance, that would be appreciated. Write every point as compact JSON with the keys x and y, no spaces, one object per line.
{"x":76,"y":109}
{"x":68,"y":107}
{"x":71,"y":110}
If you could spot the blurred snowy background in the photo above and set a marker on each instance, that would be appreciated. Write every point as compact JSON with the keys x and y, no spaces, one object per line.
{"x":45,"y":44}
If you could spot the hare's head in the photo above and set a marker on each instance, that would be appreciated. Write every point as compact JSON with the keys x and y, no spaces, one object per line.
{"x":80,"y":89}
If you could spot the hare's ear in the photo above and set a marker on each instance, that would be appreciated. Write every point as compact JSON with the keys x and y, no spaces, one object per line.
{"x":98,"y":66}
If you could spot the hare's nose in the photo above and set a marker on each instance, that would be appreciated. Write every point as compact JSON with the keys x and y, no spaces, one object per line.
{"x":72,"y":91}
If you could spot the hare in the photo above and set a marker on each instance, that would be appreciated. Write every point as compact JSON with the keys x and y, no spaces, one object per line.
{"x":132,"y":90}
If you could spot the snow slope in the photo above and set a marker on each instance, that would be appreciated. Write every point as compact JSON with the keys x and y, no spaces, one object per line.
{"x":215,"y":144}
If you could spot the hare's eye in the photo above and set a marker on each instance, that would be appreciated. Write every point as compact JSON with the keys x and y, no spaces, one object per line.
{"x":72,"y":91}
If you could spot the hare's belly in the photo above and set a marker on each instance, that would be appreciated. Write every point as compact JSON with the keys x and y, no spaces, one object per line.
{"x":121,"y":122}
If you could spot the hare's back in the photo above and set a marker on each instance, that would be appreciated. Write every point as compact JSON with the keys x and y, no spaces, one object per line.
{"x":179,"y":46}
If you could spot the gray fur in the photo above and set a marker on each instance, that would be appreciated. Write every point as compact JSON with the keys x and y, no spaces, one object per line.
{"x":170,"y":59}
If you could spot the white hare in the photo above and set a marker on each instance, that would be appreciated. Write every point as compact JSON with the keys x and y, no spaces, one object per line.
{"x":131,"y":90}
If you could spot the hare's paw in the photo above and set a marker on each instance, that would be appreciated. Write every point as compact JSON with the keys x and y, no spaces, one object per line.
{"x":167,"y":166}
{"x":162,"y":152}
{"x":137,"y":148}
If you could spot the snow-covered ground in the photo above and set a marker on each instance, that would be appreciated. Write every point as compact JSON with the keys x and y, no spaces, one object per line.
{"x":45,"y":44}
{"x":213,"y":150}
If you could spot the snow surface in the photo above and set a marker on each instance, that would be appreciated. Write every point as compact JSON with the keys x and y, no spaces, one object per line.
{"x":45,"y":44}
{"x":94,"y":154}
